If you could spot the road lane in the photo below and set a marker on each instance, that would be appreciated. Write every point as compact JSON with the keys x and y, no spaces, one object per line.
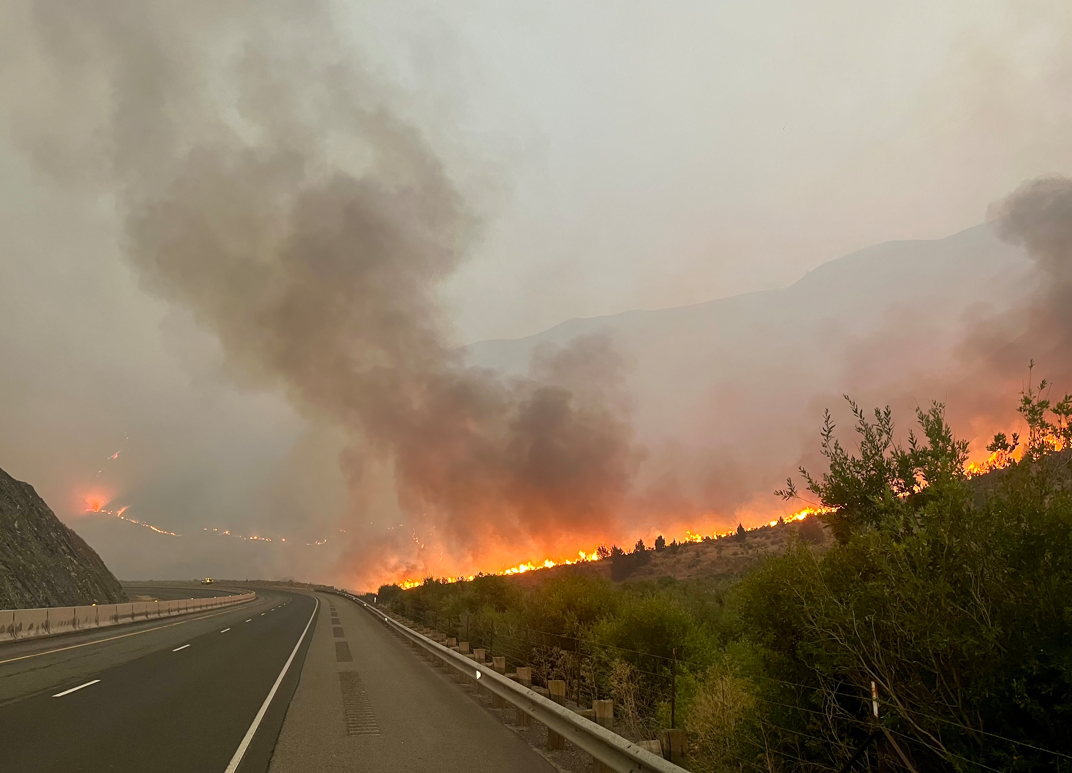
{"x":367,"y":702}
{"x":173,"y":699}
{"x":35,"y":664}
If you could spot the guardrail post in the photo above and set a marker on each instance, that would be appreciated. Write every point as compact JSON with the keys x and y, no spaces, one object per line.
{"x":674,"y":745}
{"x":604,"y":713}
{"x":654,"y":747}
{"x":524,"y":677}
{"x":557,"y":688}
{"x":604,"y":716}
{"x":478,"y":657}
{"x":462,"y":649}
{"x":498,"y":665}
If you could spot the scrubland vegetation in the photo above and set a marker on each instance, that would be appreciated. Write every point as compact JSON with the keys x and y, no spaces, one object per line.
{"x":953,"y":596}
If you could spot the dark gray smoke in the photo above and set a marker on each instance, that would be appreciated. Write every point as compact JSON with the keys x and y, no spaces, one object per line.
{"x":1038,"y":217}
{"x":270,"y":186}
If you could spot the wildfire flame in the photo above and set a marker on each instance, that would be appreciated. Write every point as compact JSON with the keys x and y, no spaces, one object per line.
{"x":528,"y":566}
{"x":255,"y":537}
{"x":1000,"y":459}
{"x":97,"y":504}
{"x":995,"y":461}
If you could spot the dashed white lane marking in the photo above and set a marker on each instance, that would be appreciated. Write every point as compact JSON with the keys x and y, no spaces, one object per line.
{"x":262,"y":614}
{"x":225,"y":630}
{"x":74,"y":689}
{"x":241,"y":751}
{"x":249,"y":619}
{"x":113,"y":638}
{"x":180,"y":648}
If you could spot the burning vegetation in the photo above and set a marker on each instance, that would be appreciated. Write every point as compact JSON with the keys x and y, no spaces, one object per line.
{"x":291,"y":207}
{"x":939,"y":602}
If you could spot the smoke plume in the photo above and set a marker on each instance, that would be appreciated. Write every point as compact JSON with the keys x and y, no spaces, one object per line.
{"x":1038,"y":217}
{"x":270,"y":186}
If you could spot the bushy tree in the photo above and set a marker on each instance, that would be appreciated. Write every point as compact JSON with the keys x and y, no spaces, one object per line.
{"x":885,"y":484}
{"x":958,"y":606}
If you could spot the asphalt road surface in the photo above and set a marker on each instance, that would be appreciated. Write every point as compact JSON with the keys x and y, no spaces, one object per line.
{"x":180,"y":694}
{"x":189,"y":590}
{"x":368,"y":703}
{"x":219,"y":692}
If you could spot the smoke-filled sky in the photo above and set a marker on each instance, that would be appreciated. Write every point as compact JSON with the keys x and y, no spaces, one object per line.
{"x":244,"y":245}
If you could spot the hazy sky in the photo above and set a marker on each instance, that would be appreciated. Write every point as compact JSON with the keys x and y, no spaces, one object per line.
{"x":623,"y":154}
{"x":667,"y":153}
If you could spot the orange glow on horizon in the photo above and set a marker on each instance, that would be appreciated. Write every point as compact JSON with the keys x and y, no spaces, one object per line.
{"x":583,"y":557}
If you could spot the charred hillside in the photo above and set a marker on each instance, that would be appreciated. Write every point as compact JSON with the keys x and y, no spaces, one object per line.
{"x":43,"y":563}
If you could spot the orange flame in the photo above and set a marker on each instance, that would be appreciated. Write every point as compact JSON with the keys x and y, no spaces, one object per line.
{"x":1001,"y":459}
{"x":96,"y":503}
{"x":582,"y":557}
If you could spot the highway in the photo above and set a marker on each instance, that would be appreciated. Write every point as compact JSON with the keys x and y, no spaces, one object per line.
{"x":291,"y":682}
{"x":177,"y":694}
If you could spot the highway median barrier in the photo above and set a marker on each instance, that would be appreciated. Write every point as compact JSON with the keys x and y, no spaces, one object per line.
{"x":22,"y":624}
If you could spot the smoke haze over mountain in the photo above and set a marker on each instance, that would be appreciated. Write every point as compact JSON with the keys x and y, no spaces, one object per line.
{"x":317,"y":272}
{"x":242,"y":248}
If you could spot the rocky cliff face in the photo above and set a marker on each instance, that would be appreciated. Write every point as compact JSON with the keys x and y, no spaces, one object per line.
{"x":43,"y":563}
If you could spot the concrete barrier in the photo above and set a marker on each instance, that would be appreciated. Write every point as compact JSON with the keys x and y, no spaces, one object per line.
{"x":29,"y":622}
{"x":19,"y":624}
{"x":60,"y":619}
{"x":85,"y":617}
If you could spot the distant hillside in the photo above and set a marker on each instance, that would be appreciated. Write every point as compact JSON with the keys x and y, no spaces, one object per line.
{"x":724,"y":558}
{"x":43,"y":563}
{"x":727,"y":395}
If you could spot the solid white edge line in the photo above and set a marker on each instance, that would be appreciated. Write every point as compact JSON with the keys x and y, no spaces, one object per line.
{"x":180,"y":648}
{"x":74,"y":689}
{"x":236,"y":760}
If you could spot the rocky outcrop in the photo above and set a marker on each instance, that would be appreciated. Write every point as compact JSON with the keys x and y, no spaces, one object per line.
{"x":43,"y":563}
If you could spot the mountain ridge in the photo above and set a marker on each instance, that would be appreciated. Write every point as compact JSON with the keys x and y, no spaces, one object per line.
{"x":725,"y":395}
{"x":43,"y":562}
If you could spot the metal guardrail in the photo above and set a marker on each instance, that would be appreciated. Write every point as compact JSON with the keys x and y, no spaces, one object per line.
{"x":607,"y":747}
